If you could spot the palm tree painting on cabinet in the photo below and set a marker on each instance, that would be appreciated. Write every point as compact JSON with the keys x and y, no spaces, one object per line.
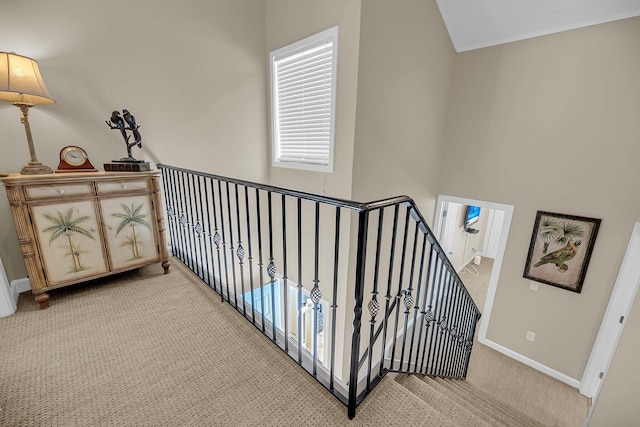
{"x":130,"y":230}
{"x":131,"y":217}
{"x":70,"y":240}
{"x":68,"y":224}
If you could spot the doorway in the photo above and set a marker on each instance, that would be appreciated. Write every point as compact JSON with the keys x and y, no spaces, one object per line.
{"x":464,"y":243}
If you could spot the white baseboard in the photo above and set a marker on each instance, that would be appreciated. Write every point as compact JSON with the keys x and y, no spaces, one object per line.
{"x":531,"y":363}
{"x":469,"y":261}
{"x":7,"y":300}
{"x":21,"y":285}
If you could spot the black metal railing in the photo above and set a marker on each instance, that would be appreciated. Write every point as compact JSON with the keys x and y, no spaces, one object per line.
{"x":301,"y":267}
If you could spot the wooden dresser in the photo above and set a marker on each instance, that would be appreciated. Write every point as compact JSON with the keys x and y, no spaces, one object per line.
{"x":73,"y":227}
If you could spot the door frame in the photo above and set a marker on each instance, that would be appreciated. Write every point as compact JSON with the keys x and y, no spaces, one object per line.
{"x":497,"y":263}
{"x":620,"y":304}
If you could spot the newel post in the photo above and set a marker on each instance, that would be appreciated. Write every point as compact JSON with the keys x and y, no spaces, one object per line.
{"x":363,"y":224}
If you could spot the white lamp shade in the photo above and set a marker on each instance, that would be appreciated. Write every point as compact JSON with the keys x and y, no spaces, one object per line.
{"x":21,"y":82}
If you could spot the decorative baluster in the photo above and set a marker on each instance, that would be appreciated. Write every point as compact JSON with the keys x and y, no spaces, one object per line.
{"x":246,"y":207}
{"x":361,"y":260}
{"x":271,"y":269}
{"x":400,"y":283}
{"x":438,"y":295}
{"x":192,"y":196}
{"x":285,"y":278}
{"x":240,"y":252}
{"x":315,"y":294}
{"x":389,"y":282}
{"x":260,"y":263}
{"x":374,"y":309}
{"x":427,"y":280}
{"x":215,"y":238}
{"x":198,"y":228}
{"x":183,"y":223}
{"x":416,"y":308}
{"x":299,"y":310}
{"x":408,"y":299}
{"x":169,"y":201}
{"x":188,"y":197}
{"x":334,"y":303}
{"x":231,"y":248}
{"x":211,"y":275}
{"x":374,"y":305}
{"x":442,"y":324}
{"x":224,"y":242}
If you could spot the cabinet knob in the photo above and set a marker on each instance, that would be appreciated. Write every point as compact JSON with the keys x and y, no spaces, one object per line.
{"x":61,"y":191}
{"x":124,"y":186}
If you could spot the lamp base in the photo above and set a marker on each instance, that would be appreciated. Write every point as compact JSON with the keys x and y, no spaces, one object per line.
{"x":35,"y":168}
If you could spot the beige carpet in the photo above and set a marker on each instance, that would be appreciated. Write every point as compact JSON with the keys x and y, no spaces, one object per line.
{"x":145,"y":348}
{"x":476,"y":280}
{"x":540,"y":396}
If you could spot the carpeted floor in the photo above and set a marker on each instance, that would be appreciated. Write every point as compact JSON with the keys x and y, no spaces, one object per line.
{"x":144,"y":348}
{"x":476,"y":280}
{"x":536,"y":394}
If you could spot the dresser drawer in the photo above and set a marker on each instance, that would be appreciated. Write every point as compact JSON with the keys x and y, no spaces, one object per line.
{"x":120,"y":186}
{"x":57,"y":190}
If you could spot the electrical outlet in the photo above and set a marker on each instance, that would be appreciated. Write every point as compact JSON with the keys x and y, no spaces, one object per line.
{"x":531,"y":336}
{"x":533,"y":285}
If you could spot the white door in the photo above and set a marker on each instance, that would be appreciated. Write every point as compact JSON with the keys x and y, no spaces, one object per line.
{"x":449,"y":213}
{"x":622,"y":297}
{"x":492,"y":237}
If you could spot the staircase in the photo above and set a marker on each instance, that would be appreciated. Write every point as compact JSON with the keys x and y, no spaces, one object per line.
{"x":351,"y":291}
{"x":456,"y":402}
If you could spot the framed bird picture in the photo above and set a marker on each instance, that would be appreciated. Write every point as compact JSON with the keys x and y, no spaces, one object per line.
{"x":560,"y":249}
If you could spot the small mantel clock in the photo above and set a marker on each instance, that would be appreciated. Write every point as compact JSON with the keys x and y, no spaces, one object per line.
{"x":74,"y":159}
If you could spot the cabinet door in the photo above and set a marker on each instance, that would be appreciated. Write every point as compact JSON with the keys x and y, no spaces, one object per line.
{"x":69,"y":239}
{"x":130,"y":230}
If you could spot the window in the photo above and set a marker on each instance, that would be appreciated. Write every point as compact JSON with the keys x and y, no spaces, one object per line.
{"x":303,"y":88}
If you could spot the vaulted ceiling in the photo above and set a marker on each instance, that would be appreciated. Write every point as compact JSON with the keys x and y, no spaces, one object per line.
{"x":474,"y":24}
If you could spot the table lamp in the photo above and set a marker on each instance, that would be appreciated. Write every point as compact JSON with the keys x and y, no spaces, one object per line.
{"x":21,"y":84}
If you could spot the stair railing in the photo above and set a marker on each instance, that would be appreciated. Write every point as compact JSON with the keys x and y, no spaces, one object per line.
{"x":299,"y":266}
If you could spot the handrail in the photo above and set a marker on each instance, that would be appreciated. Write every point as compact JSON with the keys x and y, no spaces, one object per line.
{"x":334,"y":201}
{"x":280,"y":257}
{"x":280,"y":190}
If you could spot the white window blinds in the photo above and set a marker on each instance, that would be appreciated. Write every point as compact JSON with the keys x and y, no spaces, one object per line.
{"x":303,"y":79}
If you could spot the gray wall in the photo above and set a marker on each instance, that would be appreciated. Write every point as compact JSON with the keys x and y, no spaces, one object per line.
{"x":288,"y":21}
{"x":550,"y":124}
{"x":193,"y":74}
{"x":406,"y":62}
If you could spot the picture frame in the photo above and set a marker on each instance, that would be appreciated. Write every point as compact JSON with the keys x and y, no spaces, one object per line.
{"x":560,"y":249}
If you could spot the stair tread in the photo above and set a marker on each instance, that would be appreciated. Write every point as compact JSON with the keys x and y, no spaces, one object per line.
{"x":458,"y":414}
{"x":486,"y":416}
{"x":498,"y":411}
{"x":391,"y":391}
{"x":481,"y":395}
